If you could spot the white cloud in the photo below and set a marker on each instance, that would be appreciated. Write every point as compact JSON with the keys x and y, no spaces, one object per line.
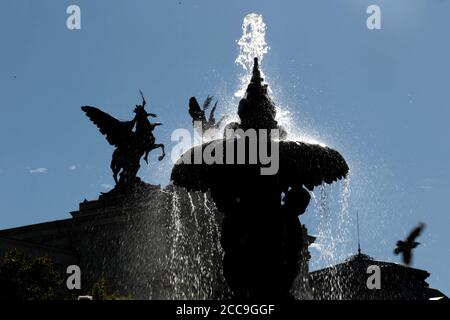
{"x":39,"y":170}
{"x":72,"y":167}
{"x":106,"y":186}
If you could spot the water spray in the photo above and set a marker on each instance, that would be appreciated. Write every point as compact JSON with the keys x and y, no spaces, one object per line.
{"x":252,"y":44}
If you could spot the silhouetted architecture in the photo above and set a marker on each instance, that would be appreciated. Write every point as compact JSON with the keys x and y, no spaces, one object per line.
{"x":220,"y":230}
{"x":129,"y":247}
{"x":348,"y":281}
{"x":261,"y":234}
{"x":133,"y":140}
{"x":133,"y":244}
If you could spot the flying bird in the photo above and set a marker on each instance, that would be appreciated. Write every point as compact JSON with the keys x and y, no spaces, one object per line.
{"x":405,"y":247}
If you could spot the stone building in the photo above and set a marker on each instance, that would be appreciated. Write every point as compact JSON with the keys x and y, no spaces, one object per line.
{"x":166,"y":245}
{"x":348,"y":281}
{"x":158,"y":244}
{"x":123,"y":241}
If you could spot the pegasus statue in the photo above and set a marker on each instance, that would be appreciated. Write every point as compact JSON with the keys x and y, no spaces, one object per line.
{"x":132,"y":139}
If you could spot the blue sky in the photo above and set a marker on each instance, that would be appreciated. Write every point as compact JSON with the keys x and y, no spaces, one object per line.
{"x":379,"y":97}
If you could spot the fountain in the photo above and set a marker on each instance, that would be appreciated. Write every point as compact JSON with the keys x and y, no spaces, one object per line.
{"x":228,"y":224}
{"x":261,"y":235}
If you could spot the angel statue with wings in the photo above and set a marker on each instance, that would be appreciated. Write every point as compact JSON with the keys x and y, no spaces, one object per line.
{"x":132,"y":140}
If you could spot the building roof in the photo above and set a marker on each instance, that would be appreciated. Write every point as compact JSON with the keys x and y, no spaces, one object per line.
{"x":361,"y":259}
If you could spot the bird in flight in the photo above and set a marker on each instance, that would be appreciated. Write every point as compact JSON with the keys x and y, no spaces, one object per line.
{"x":405,"y":247}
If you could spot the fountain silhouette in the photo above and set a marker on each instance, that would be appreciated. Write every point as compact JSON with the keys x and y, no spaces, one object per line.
{"x":261,"y":234}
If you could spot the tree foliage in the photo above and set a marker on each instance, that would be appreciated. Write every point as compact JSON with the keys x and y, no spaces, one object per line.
{"x":99,"y":291}
{"x":24,"y":278}
{"x":37,"y":278}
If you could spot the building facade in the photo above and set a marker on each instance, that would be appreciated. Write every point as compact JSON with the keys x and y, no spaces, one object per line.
{"x":166,"y":245}
{"x":349,"y":281}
